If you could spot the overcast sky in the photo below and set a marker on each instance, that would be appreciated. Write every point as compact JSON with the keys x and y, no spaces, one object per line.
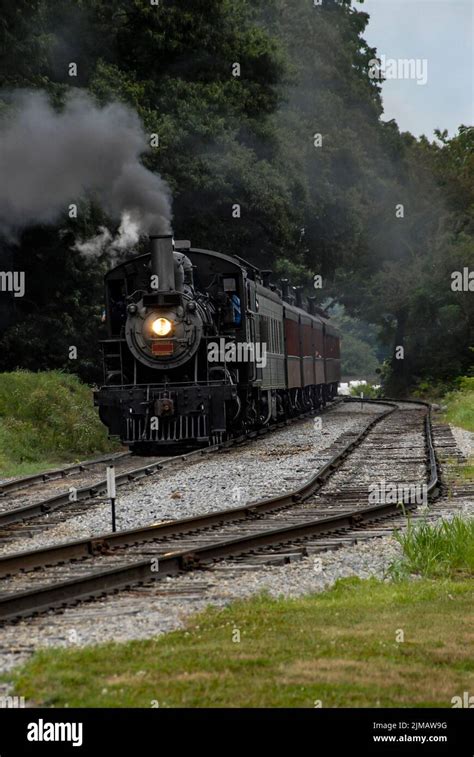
{"x":440,"y":31}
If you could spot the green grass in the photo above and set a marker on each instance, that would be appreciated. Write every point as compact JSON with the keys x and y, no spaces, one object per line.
{"x":445,"y":549}
{"x":46,"y":419}
{"x":460,"y":405}
{"x":343,"y":647}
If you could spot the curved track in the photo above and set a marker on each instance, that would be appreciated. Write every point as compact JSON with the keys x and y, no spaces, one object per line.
{"x":11,"y":514}
{"x":74,"y":571}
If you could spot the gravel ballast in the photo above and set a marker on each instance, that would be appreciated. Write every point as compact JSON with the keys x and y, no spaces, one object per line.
{"x":464,"y":440}
{"x":164,"y":606}
{"x":267,"y":466}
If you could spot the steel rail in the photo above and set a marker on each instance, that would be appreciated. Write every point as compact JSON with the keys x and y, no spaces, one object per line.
{"x":42,"y":507}
{"x":101,"y":582}
{"x":44,"y":477}
{"x":434,"y":482}
{"x":104,"y":543}
{"x":90,"y":491}
{"x":114,"y":579}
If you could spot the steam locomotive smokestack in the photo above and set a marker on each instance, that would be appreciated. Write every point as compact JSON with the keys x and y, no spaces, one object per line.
{"x":162,"y":262}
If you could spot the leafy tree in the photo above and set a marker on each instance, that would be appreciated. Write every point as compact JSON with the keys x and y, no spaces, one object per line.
{"x":251,"y":140}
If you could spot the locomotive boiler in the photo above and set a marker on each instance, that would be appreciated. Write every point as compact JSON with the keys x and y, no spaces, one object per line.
{"x":201,"y":345}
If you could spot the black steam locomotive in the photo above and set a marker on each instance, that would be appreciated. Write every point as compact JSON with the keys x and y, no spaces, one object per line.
{"x":201,"y":345}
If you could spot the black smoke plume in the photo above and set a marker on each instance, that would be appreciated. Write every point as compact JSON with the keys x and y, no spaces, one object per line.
{"x":50,"y":159}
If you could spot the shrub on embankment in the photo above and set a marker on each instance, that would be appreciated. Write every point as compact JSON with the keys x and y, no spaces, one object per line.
{"x":46,"y":418}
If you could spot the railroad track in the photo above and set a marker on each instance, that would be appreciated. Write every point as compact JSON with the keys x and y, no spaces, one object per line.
{"x":13,"y":517}
{"x":450,"y":458}
{"x":330,"y":505}
{"x":45,"y":477}
{"x":126,"y":471}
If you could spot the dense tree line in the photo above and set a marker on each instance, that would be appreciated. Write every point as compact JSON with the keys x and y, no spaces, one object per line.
{"x":296,"y":140}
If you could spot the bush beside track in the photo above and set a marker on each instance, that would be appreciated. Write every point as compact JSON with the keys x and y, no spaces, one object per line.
{"x":46,"y":419}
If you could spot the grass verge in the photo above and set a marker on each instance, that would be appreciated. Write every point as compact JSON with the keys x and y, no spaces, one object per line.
{"x":46,"y":419}
{"x":445,"y":548}
{"x":343,"y":648}
{"x":460,"y":405}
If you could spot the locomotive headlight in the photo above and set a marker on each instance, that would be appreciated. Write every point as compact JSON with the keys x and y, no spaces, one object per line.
{"x":161,"y":326}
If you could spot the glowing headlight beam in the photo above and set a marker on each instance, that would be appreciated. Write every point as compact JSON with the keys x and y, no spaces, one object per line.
{"x":161,"y":326}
